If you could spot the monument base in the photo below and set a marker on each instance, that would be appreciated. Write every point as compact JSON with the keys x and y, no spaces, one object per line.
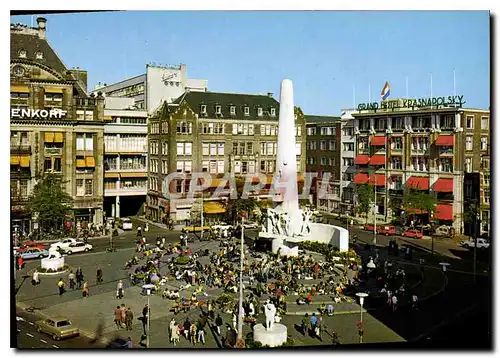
{"x":275,"y":337}
{"x":53,"y":264}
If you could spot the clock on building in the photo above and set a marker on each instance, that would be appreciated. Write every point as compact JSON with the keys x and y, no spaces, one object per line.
{"x":18,"y":70}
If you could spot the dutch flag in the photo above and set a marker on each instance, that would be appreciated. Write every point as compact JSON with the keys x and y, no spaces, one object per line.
{"x":386,"y":91}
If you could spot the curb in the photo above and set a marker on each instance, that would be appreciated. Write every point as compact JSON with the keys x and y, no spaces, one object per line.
{"x":302,"y":313}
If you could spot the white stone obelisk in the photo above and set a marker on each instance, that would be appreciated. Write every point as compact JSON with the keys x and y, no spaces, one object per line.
{"x":285,"y":181}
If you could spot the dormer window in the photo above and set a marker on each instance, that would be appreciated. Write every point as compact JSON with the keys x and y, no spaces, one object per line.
{"x":217,"y":109}
{"x":39,"y":55}
{"x":232,"y":110}
{"x":22,"y":53}
{"x":273,"y":112}
{"x":203,"y":109}
{"x":247,"y":111}
{"x":259,"y":112}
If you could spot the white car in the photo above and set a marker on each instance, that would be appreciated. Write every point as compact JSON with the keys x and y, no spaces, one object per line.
{"x":127,"y":224}
{"x":75,"y":247}
{"x":481,"y":244}
{"x":62,"y":244}
{"x":222,"y":226}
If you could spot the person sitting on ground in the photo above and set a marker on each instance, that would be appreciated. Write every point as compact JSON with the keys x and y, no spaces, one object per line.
{"x":322,"y":308}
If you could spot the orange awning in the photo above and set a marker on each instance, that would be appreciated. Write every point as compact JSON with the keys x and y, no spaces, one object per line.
{"x":443,"y":185}
{"x":53,"y":90}
{"x":362,"y":159}
{"x":58,"y":137}
{"x":443,"y":212}
{"x":213,"y":207}
{"x":15,"y":160}
{"x":49,"y":137}
{"x":377,"y":179}
{"x":378,"y":140}
{"x":361,"y":178}
{"x":111,"y":175}
{"x":19,"y":89}
{"x":25,"y":162}
{"x":421,"y":183}
{"x":80,"y":163}
{"x":445,"y":140}
{"x":377,"y":159}
{"x":90,"y":162}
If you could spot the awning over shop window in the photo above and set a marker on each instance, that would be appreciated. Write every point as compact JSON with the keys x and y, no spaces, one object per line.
{"x":213,"y":207}
{"x":362,"y":159}
{"x":58,"y":137}
{"x":19,"y":89}
{"x":90,"y":162}
{"x":360,"y":178}
{"x":378,"y":140}
{"x":377,"y":180}
{"x":134,"y":175}
{"x":25,"y":162}
{"x":377,"y":159}
{"x":15,"y":160}
{"x":49,"y":137}
{"x":415,"y":211}
{"x":445,"y":140}
{"x":53,"y":90}
{"x":80,"y":163}
{"x":443,"y":185}
{"x":444,"y":212}
{"x":421,"y":183}
{"x":111,"y":175}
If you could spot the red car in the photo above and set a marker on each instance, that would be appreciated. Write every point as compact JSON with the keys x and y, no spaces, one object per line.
{"x":369,"y":227}
{"x":413,"y":233}
{"x":32,"y":244}
{"x":386,"y":230}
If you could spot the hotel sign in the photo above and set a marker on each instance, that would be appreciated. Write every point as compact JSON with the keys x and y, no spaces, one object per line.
{"x":450,"y":101}
{"x":37,"y":113}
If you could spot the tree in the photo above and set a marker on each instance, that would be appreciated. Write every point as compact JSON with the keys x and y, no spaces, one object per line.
{"x":365,"y":199}
{"x":417,"y":200}
{"x":235,"y":207}
{"x":195,"y":212}
{"x":49,"y":201}
{"x":471,"y":210}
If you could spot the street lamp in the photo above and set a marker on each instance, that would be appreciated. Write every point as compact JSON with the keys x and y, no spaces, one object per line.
{"x":361,"y":296}
{"x":239,"y":341}
{"x":147,"y":289}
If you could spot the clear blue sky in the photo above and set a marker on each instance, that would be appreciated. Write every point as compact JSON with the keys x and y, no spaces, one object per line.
{"x":324,"y":53}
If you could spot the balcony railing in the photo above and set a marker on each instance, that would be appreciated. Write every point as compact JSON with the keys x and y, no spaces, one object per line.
{"x":446,"y":152}
{"x":53,"y":151}
{"x":20,"y":148}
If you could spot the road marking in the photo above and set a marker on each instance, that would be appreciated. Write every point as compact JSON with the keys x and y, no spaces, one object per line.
{"x":41,"y":340}
{"x":31,"y":323}
{"x":29,"y":334}
{"x":55,"y":346}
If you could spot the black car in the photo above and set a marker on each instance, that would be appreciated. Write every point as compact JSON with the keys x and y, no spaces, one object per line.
{"x":117,"y":343}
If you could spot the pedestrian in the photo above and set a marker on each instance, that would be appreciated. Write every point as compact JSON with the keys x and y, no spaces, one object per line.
{"x":414,"y":300}
{"x":71,"y":279}
{"x":129,"y":317}
{"x":123,"y":311}
{"x":305,"y":321}
{"x":162,"y":245}
{"x":145,"y":316}
{"x":60,"y":285}
{"x":187,"y":327}
{"x":118,"y":317}
{"x":35,"y":281}
{"x":119,"y":290}
{"x":313,"y":321}
{"x":99,"y":275}
{"x":128,"y":343}
{"x":201,"y":334}
{"x":218,"y":323}
{"x":192,"y":333}
{"x":139,"y":231}
{"x":235,"y":319}
{"x":171,"y":327}
{"x":146,"y":227}
{"x":79,"y":277}
{"x":394,"y":303}
{"x":85,"y":289}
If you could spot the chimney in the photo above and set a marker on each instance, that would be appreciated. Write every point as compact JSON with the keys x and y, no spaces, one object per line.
{"x":270,"y":94}
{"x":42,"y":23}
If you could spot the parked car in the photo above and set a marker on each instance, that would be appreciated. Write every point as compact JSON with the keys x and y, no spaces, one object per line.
{"x":33,"y":253}
{"x":57,"y":327}
{"x":470,"y":244}
{"x":75,"y":247}
{"x":425,"y":229}
{"x":386,"y":230}
{"x":195,"y":229}
{"x":443,"y":230}
{"x":62,"y":244}
{"x":369,"y":227}
{"x":413,"y":233}
{"x":126,"y":224}
{"x":33,"y":244}
{"x":221,"y":226}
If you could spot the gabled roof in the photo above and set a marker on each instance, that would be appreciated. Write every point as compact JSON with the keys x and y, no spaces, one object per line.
{"x":315,"y":119}
{"x":196,"y":99}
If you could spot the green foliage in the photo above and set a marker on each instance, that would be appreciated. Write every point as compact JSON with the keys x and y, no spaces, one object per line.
{"x":235,"y":207}
{"x":60,"y":269}
{"x":419,"y":200}
{"x":365,"y":196}
{"x":182,"y":260}
{"x":327,"y":250}
{"x":49,"y":201}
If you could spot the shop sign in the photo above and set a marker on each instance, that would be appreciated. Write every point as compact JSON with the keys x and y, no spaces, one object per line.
{"x":412,"y":103}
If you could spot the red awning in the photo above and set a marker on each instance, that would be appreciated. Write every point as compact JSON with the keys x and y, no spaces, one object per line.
{"x":377,"y":179}
{"x":415,"y":211}
{"x":377,"y":159}
{"x":445,"y":140}
{"x":443,"y":185}
{"x":360,"y":178}
{"x":362,"y":159}
{"x":444,"y":212}
{"x":378,"y":140}
{"x":421,"y":183}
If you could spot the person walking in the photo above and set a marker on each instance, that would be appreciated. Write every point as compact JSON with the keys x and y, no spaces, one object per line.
{"x":201,"y":334}
{"x":218,"y":323}
{"x":305,"y":321}
{"x":36,"y":279}
{"x":145,"y":317}
{"x":139,"y":231}
{"x":129,"y":318}
{"x":118,"y":317}
{"x":71,"y":279}
{"x":60,"y":285}
{"x":85,"y":289}
{"x":187,"y":327}
{"x":394,"y":303}
{"x":192,"y":334}
{"x":79,"y":277}
{"x":414,"y":299}
{"x":313,"y":321}
{"x":171,"y":328}
{"x":99,"y":275}
{"x":119,"y":290}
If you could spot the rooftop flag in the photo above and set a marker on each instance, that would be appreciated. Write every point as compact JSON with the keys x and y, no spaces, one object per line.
{"x":386,"y":91}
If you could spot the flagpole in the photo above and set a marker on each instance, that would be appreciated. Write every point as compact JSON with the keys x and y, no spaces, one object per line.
{"x":407,"y":88}
{"x":369,"y":93}
{"x":431,"y":90}
{"x":454,"y":84}
{"x":353,"y":96}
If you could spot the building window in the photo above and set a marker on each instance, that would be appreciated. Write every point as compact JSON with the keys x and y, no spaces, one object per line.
{"x":484,"y":143}
{"x":348,"y":147}
{"x":164,"y":126}
{"x":203,"y":109}
{"x":322,"y":145}
{"x":311,"y":131}
{"x":243,"y":129}
{"x":184,"y":166}
{"x":446,"y":165}
{"x":327,"y":131}
{"x":396,"y":143}
{"x":164,"y":167}
{"x":298,"y":131}
{"x":363,"y":144}
{"x":164,"y":148}
{"x":132,"y":162}
{"x":212,"y":128}
{"x":469,"y":122}
{"x":85,"y":141}
{"x":486,"y":179}
{"x":273,"y":112}
{"x":348,"y":131}
{"x":259,"y":112}
{"x":397,"y":123}
{"x":331,"y":145}
{"x":447,"y":122}
{"x":268,"y":148}
{"x":381,"y":124}
{"x":184,"y":128}
{"x":246,"y":110}
{"x":311,"y":145}
{"x":311,"y":160}
{"x":298,"y":149}
{"x":396,"y":163}
{"x":468,"y":142}
{"x":22,"y":53}
{"x":485,"y":163}
{"x":484,"y":122}
{"x":267,"y":166}
{"x":218,"y":109}
{"x":232,"y":110}
{"x":364,"y":124}
{"x":348,"y":161}
{"x":88,"y":187}
{"x":84,"y":187}
{"x":323,"y":161}
{"x":486,"y":196}
{"x":468,"y":165}
{"x":331,"y":161}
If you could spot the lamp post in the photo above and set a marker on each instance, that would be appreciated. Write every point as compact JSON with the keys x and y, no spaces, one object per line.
{"x":148,"y":288}
{"x":240,"y":343}
{"x":361,"y":296}
{"x":202,"y":209}
{"x":375,"y":211}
